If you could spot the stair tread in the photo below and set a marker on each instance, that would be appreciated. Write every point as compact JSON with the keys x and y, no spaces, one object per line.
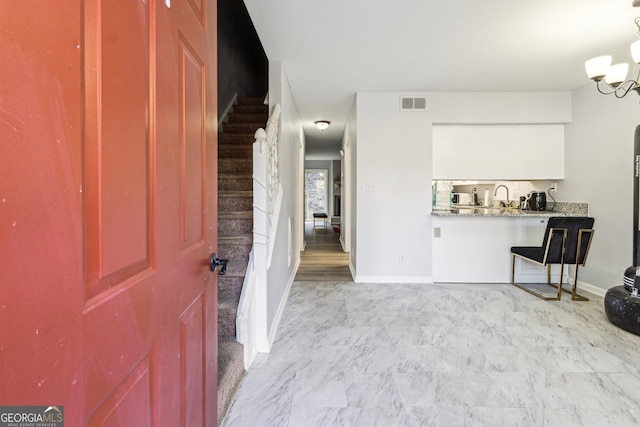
{"x":235,"y":160}
{"x":236,"y":135}
{"x":227,"y":348}
{"x":235,"y":270}
{"x":230,"y":372}
{"x":257,"y":100}
{"x":246,"y":117}
{"x":237,"y":214}
{"x":235,"y":238}
{"x":243,"y":126}
{"x":241,"y":141}
{"x":227,"y":301}
{"x":239,"y":146}
{"x":235,"y":175}
{"x":251,"y":123}
{"x":238,"y":193}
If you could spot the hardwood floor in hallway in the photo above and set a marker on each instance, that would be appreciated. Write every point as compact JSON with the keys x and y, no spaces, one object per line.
{"x":323,"y":258}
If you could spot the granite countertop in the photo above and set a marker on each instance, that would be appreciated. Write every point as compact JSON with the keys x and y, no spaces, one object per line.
{"x":562,"y":209}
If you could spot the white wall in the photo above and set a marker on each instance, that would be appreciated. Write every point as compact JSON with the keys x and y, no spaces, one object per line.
{"x":290,"y":143}
{"x":392,"y":223}
{"x":599,"y":171}
{"x":393,"y":191}
{"x":349,"y":191}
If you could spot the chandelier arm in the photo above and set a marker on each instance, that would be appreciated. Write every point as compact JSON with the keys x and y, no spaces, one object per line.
{"x":620,"y":90}
{"x":626,"y":88}
{"x":603,"y":92}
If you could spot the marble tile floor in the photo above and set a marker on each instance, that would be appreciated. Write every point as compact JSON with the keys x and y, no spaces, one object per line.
{"x":350,"y":354}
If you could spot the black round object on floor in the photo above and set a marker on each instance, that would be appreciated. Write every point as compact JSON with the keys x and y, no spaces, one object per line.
{"x":629,"y":278}
{"x":622,"y":309}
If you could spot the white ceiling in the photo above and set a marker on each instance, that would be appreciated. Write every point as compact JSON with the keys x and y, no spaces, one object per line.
{"x":332,"y":49}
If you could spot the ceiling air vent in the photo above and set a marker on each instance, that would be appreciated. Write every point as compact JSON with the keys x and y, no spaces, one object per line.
{"x":413,"y":104}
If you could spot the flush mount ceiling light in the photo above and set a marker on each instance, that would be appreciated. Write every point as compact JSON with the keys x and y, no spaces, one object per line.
{"x":322,"y":124}
{"x":615,"y":76}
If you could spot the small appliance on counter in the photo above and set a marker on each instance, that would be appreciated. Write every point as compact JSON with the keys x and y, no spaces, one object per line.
{"x":464,"y":199}
{"x":536,"y":201}
{"x":524,"y":203}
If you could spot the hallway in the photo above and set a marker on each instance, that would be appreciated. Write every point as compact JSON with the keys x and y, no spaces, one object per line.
{"x":323,"y":258}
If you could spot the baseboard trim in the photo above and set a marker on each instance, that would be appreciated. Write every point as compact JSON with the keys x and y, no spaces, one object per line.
{"x":393,"y":279}
{"x":596,"y":290}
{"x":265,"y":347}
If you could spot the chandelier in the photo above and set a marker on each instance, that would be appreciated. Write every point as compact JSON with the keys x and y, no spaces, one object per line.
{"x":615,"y":76}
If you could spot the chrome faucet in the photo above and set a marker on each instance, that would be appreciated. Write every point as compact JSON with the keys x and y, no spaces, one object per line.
{"x":505,"y":187}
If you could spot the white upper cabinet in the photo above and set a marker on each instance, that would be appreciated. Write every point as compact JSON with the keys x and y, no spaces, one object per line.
{"x":498,"y":152}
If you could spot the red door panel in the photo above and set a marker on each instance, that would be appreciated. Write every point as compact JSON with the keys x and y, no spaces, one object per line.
{"x":41,"y":253}
{"x":193,"y":148}
{"x":192,"y":365}
{"x":108,"y":210}
{"x":132,"y":402}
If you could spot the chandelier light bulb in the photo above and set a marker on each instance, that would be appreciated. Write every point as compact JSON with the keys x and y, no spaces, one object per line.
{"x":635,"y":51}
{"x":617,"y":74}
{"x":598,"y":67}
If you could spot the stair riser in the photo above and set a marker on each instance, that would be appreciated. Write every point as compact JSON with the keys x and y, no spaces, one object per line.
{"x":235,"y":184}
{"x":247,"y":118}
{"x":235,"y":166}
{"x":251,"y":109}
{"x":227,"y":321}
{"x":239,"y":152}
{"x":251,"y":100}
{"x":235,"y":204}
{"x":230,"y":285}
{"x":235,"y":226}
{"x":235,"y":252}
{"x":236,"y":138}
{"x":242,"y":127}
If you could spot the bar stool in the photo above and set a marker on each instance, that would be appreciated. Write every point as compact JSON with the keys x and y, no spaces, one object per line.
{"x":566,"y":241}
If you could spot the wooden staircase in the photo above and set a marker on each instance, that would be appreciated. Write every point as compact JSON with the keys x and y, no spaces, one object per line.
{"x":235,"y":235}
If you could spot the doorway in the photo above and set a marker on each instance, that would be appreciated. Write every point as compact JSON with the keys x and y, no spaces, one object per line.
{"x":316,"y":196}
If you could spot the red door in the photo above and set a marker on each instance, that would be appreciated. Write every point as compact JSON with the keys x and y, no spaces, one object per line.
{"x":108,"y":210}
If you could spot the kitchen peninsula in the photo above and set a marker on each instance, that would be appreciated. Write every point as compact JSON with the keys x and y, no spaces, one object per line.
{"x":472,"y":244}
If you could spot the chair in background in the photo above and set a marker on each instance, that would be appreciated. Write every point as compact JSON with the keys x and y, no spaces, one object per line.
{"x":566,"y":241}
{"x":322,"y":217}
